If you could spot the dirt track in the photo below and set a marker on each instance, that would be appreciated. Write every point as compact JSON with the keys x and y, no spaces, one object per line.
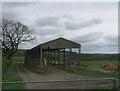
{"x":56,"y":74}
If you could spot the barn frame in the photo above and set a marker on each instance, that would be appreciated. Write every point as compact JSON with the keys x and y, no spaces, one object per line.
{"x":40,"y":55}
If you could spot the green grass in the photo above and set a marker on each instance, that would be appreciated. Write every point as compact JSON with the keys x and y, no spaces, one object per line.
{"x":93,"y":69}
{"x":11,"y":75}
{"x":89,"y":73}
{"x":22,"y":67}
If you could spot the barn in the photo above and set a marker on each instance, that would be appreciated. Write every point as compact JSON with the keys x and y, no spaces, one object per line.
{"x":52,"y":52}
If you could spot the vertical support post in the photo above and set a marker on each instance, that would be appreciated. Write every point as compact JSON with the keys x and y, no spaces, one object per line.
{"x":70,"y":55}
{"x":54,"y":58}
{"x":58,"y":57}
{"x":25,"y":61}
{"x":79,"y":53}
{"x":50,"y":57}
{"x":29,"y":60}
{"x":64,"y":57}
{"x":41,"y":57}
{"x":34,"y":58}
{"x":115,"y":84}
{"x":37,"y":57}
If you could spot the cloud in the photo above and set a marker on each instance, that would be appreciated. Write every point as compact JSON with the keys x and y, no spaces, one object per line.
{"x":90,"y":37}
{"x":112,"y":41}
{"x":99,"y":47}
{"x":85,"y":23}
{"x":109,"y":45}
{"x":47,"y":21}
{"x":16,"y":4}
{"x":47,"y":31}
{"x":73,"y":25}
{"x":9,"y":15}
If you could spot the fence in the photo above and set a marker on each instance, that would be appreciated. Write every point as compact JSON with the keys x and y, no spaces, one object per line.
{"x":83,"y":83}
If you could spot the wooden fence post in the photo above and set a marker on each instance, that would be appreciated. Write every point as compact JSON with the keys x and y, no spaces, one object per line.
{"x":115,"y":84}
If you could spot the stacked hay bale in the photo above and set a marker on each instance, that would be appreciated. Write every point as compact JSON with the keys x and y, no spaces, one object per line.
{"x":110,"y":67}
{"x":76,"y":64}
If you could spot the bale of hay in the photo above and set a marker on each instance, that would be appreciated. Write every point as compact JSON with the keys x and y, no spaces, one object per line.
{"x":110,"y":67}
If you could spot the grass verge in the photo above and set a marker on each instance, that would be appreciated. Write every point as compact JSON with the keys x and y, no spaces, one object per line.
{"x":11,"y":75}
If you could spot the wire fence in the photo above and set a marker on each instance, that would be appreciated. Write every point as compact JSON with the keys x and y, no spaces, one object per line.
{"x":83,"y":83}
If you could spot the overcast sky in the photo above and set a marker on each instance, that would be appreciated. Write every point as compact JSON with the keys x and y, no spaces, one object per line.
{"x":92,"y":24}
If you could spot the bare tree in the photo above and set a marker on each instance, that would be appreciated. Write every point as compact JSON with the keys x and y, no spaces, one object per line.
{"x":13,"y":33}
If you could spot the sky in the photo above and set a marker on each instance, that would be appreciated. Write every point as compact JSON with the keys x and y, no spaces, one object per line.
{"x":92,"y":24}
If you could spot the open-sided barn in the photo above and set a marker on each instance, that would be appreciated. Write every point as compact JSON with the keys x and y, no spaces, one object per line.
{"x":50,"y":52}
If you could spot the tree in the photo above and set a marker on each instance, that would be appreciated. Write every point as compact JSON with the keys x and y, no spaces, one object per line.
{"x":13,"y":33}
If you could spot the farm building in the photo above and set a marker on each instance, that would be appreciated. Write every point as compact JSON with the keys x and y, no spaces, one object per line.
{"x":52,"y":52}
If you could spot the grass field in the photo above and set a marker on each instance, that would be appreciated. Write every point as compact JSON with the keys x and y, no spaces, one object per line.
{"x":94,"y":67}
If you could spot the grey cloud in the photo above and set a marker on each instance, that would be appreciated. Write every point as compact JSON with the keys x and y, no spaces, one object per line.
{"x":16,"y":4}
{"x":100,"y":47}
{"x":112,"y":39}
{"x":46,"y":31}
{"x":90,"y":37}
{"x":73,"y":25}
{"x":47,"y":21}
{"x":9,"y":15}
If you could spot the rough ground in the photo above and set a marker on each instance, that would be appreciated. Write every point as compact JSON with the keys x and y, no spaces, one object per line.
{"x":55,"y":74}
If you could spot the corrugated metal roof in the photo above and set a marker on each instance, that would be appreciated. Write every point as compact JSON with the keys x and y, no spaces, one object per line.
{"x":58,"y":44}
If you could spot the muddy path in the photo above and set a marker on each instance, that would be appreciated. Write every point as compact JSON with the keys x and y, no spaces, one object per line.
{"x":56,"y":74}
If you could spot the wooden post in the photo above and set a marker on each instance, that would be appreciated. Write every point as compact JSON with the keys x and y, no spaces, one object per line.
{"x":41,"y":63}
{"x":54,"y":58}
{"x":70,"y":55}
{"x":64,"y":57}
{"x":115,"y":84}
{"x":34,"y":57}
{"x":50,"y":56}
{"x":79,"y":53}
{"x":29,"y":59}
{"x":25,"y":59}
{"x":58,"y":57}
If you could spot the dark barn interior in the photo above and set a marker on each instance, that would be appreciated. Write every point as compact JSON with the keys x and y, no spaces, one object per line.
{"x":52,"y":52}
